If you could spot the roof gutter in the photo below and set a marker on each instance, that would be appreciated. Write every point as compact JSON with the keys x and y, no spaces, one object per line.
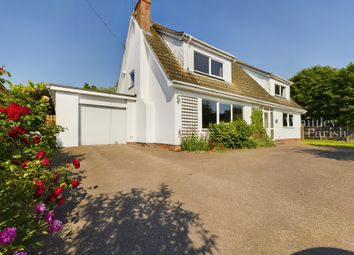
{"x":212,"y":92}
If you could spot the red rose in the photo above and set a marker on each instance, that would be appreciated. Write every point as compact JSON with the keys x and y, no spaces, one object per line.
{"x":76,"y":163}
{"x":24,"y":141}
{"x":25,"y":110}
{"x":12,"y":134}
{"x":39,"y":184}
{"x":56,"y":177}
{"x":60,"y":201}
{"x":57,"y":191}
{"x":39,"y":192}
{"x":36,"y":139}
{"x":24,"y":164}
{"x":14,"y":111}
{"x":40,"y":154}
{"x":46,"y":162}
{"x":19,"y":130}
{"x":75,"y":183}
{"x":52,"y":198}
{"x":3,"y":110}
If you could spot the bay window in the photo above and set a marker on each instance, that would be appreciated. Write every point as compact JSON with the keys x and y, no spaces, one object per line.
{"x":224,"y":112}
{"x":208,"y":112}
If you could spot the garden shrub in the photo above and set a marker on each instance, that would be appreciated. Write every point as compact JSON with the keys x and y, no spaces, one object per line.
{"x":195,"y":142}
{"x":232,"y":135}
{"x":259,"y":133}
{"x":29,"y":188}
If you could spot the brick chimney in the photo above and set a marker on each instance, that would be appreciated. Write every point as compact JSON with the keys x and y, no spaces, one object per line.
{"x":142,"y":14}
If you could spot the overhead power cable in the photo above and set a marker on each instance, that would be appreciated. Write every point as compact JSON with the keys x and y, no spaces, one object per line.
{"x":101,"y":19}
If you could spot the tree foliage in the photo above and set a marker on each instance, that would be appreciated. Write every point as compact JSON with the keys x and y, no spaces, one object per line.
{"x":326,"y":92}
{"x":99,"y":89}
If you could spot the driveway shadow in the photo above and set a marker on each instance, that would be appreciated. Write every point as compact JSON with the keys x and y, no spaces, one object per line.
{"x":135,"y":222}
{"x":337,"y":153}
{"x":62,"y":157}
{"x":324,"y":251}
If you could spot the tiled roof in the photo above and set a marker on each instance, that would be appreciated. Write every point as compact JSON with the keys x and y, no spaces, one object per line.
{"x":242,"y":83}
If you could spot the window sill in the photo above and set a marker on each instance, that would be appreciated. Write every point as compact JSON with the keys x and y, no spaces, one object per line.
{"x":289,"y":127}
{"x":281,"y":97}
{"x":210,"y":75}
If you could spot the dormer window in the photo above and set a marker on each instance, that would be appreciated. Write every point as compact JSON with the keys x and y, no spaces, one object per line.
{"x":280,"y":90}
{"x":207,"y":65}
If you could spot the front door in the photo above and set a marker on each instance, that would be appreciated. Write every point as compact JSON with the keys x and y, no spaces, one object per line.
{"x":268,"y":122}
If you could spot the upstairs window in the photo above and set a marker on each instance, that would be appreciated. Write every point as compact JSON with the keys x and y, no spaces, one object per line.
{"x":132,"y":79}
{"x":207,"y":65}
{"x":280,"y":90}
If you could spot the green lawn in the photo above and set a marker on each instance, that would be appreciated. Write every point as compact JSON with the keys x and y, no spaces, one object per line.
{"x":328,"y":143}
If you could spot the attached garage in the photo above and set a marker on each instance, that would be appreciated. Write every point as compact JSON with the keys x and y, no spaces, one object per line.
{"x":93,"y":118}
{"x":107,"y":127}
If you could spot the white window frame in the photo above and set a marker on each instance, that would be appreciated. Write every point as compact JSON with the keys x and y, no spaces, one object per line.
{"x":280,"y":90}
{"x":288,"y":120}
{"x":218,"y":111}
{"x":209,"y":68}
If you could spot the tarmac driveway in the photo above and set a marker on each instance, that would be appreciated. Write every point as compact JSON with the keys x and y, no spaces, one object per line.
{"x":291,"y":199}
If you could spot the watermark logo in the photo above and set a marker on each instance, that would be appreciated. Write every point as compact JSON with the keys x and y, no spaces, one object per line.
{"x":324,"y":129}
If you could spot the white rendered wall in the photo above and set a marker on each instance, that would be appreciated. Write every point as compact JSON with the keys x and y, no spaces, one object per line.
{"x":281,"y":132}
{"x":67,"y":116}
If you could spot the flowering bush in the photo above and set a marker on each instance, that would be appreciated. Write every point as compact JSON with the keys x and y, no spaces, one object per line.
{"x":29,"y":188}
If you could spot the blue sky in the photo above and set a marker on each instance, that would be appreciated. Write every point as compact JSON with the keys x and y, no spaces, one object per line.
{"x":64,"y":42}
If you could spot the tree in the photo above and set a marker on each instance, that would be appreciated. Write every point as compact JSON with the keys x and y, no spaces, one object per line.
{"x":326,"y":92}
{"x":100,"y":89}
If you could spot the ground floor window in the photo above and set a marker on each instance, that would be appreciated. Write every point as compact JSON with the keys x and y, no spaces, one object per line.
{"x":288,"y":120}
{"x":216,"y":112}
{"x":237,"y":112}
{"x":224,"y":112}
{"x":209,"y":112}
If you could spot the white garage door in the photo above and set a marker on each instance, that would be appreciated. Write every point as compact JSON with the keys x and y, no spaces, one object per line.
{"x":100,"y":125}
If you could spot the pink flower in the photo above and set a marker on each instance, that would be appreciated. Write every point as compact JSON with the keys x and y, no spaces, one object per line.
{"x":7,"y":236}
{"x":49,"y":217}
{"x":20,"y":253}
{"x":46,"y":162}
{"x":55,"y":227}
{"x":40,"y":208}
{"x":76,"y":163}
{"x":40,"y":154}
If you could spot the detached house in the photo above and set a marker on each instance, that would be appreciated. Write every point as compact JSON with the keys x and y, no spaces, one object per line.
{"x":170,"y":85}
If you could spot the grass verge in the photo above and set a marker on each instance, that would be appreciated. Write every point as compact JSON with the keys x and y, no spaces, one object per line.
{"x":329,"y":143}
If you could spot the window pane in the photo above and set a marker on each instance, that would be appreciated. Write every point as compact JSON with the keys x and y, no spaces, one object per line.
{"x":283,"y":94}
{"x":277,"y":89}
{"x":132,"y":79}
{"x":237,"y":112}
{"x":285,"y":120}
{"x":201,"y":63}
{"x":291,"y":121}
{"x":216,"y":68}
{"x":209,"y":113}
{"x":266,"y":120}
{"x":225,"y":112}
